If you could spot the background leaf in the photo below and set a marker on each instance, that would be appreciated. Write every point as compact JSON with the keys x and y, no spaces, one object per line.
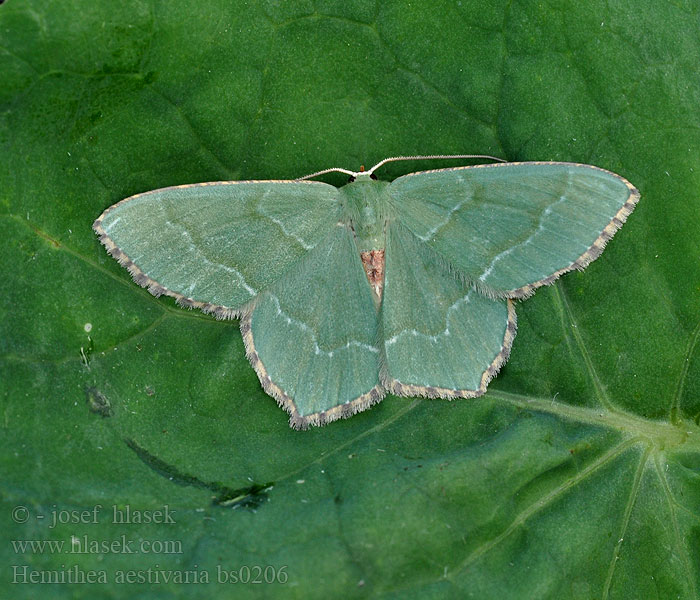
{"x":576,"y":476}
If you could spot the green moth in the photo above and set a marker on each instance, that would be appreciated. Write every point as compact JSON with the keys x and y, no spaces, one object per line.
{"x":345,"y":294}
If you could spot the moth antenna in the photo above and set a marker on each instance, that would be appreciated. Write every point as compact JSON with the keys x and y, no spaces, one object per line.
{"x":394,"y":159}
{"x":433,"y":156}
{"x":324,"y":171}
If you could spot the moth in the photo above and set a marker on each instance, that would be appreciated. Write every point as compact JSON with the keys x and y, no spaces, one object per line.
{"x":346,"y":294}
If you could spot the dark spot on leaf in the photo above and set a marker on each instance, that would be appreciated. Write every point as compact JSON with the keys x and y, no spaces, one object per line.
{"x":162,"y":468}
{"x":338,"y":499}
{"x":98,"y":403}
{"x":249,"y":498}
{"x":150,"y":77}
{"x":149,"y":390}
{"x":412,"y":467}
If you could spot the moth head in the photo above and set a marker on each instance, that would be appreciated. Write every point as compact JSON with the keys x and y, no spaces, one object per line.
{"x":362,"y":177}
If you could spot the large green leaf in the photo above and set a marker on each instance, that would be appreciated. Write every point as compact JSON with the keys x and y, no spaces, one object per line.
{"x":576,"y":476}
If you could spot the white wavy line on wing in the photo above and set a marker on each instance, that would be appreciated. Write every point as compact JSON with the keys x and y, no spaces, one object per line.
{"x":540,"y":227}
{"x":433,"y":338}
{"x":112,"y":224}
{"x":432,"y":231}
{"x":304,"y":327}
{"x":280,"y":224}
{"x":252,"y":291}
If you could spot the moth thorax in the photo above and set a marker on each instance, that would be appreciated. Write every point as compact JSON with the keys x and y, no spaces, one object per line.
{"x":373,"y":262}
